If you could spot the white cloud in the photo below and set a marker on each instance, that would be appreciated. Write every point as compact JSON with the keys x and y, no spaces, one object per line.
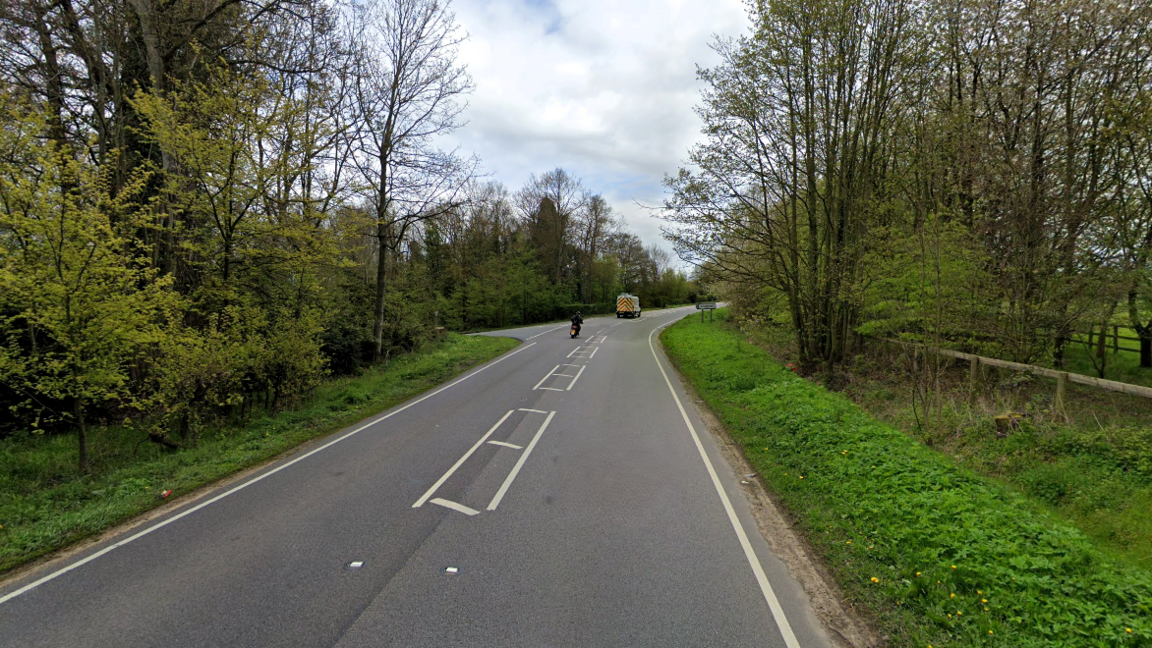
{"x":603,"y":89}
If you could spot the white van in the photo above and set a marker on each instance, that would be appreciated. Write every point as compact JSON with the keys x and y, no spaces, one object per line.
{"x":627,"y":305}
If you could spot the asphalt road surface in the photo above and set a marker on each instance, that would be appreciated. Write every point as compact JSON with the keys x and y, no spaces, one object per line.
{"x":564,"y":494}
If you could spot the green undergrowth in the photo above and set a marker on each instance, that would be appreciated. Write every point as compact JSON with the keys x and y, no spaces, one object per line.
{"x":938,"y":554}
{"x":46,"y":505}
{"x":1092,"y":466}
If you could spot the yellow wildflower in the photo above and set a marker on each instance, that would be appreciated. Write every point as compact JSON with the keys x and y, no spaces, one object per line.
{"x":875,"y":580}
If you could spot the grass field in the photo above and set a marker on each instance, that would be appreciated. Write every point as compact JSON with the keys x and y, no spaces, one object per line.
{"x":45,"y":504}
{"x":1122,"y":366}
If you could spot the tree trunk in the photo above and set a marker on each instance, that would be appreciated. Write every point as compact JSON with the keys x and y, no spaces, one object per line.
{"x":1145,"y":346}
{"x":381,"y":285}
{"x":83,"y":435}
{"x":1058,"y":351}
{"x":184,"y":426}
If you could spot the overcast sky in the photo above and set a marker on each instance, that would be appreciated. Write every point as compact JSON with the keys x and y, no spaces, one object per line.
{"x":602,"y":88}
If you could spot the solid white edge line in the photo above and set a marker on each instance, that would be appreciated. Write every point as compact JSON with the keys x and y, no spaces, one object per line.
{"x":455,"y":506}
{"x":460,"y":462}
{"x":519,"y":464}
{"x":506,"y":445}
{"x":582,"y":367}
{"x":753,"y":560}
{"x":545,"y":378}
{"x":79,"y":563}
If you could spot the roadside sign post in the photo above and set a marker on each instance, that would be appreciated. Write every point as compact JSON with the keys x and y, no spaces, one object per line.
{"x":706,"y":306}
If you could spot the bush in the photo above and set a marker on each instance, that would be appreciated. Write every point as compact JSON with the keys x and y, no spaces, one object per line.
{"x":942,"y":556}
{"x":347,"y":346}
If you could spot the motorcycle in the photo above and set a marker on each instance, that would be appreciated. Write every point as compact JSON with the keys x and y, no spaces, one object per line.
{"x":575,"y":330}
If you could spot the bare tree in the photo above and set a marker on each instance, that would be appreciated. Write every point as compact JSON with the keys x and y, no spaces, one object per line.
{"x":799,"y":122}
{"x":595,"y":225}
{"x":409,"y":90}
{"x":553,"y":239}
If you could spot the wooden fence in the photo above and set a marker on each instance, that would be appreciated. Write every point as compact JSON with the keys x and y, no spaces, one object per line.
{"x":1114,"y":337}
{"x":1062,"y":377}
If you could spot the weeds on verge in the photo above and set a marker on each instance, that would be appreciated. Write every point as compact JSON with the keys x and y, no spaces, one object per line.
{"x":1091,"y":464}
{"x":940,"y":555}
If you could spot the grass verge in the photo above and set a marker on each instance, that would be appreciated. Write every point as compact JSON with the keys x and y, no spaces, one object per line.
{"x":939,"y":555}
{"x":46,"y":505}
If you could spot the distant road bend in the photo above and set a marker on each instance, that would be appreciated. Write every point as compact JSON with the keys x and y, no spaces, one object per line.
{"x":564,"y":494}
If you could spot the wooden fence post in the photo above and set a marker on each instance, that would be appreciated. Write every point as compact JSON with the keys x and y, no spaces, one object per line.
{"x":1061,"y":389}
{"x":1115,"y":337}
{"x":973,"y":378}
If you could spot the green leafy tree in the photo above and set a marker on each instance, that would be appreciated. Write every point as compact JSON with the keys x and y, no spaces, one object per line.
{"x":79,"y":298}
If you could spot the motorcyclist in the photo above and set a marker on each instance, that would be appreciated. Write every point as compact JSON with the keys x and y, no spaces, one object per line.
{"x":577,"y":320}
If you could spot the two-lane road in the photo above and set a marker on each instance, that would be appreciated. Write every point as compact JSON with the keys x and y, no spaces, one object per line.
{"x":565,"y":494}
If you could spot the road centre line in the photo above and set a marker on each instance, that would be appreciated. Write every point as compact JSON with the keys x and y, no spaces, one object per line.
{"x":444,"y":478}
{"x":524,"y":409}
{"x":550,"y":389}
{"x":506,"y":445}
{"x":582,"y":367}
{"x":593,"y":353}
{"x":56,"y":574}
{"x":519,"y":464}
{"x":545,"y":378}
{"x":750,"y":554}
{"x":539,"y":334}
{"x":456,"y":506}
